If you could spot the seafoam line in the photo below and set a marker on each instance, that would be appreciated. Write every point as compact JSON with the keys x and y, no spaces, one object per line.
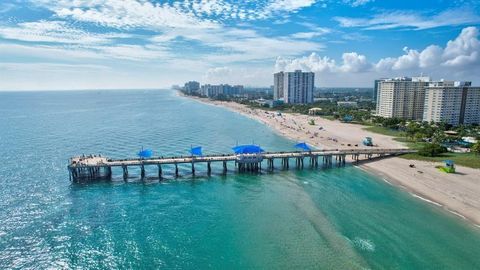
{"x":425,"y":199}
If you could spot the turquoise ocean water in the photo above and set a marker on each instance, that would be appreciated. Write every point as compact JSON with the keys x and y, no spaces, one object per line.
{"x":341,"y":218}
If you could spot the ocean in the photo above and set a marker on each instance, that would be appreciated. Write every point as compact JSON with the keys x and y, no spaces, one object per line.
{"x":337,"y":218}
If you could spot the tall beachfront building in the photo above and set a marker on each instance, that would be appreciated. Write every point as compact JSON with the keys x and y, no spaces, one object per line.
{"x":451,"y":102}
{"x":192,"y":87}
{"x":375,"y":89}
{"x":278,"y":85}
{"x":402,"y":97}
{"x":294,"y":87}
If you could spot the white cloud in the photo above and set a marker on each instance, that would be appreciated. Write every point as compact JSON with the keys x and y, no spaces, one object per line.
{"x":51,"y":67}
{"x":82,"y":53}
{"x":357,"y":3}
{"x":464,"y":50}
{"x":217,"y":74}
{"x":313,"y":62}
{"x":240,"y":45}
{"x":407,"y":61}
{"x":351,"y":62}
{"x":460,"y":59}
{"x":125,"y":13}
{"x":289,"y":5}
{"x":354,"y":62}
{"x":317,"y":32}
{"x":187,"y":14}
{"x":411,"y":19}
{"x":57,"y":32}
{"x":238,"y":75}
{"x":430,"y":56}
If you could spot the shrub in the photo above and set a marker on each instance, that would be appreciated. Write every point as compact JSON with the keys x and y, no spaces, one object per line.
{"x":432,"y":150}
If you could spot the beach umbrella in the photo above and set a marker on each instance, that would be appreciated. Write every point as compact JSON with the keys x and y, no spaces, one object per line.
{"x":196,"y":151}
{"x":303,"y":146}
{"x":145,"y":153}
{"x":247,"y":149}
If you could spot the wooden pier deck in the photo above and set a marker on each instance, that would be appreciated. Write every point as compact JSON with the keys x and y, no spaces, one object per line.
{"x":97,"y":167}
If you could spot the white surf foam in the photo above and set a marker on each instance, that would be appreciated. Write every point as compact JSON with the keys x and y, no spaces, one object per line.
{"x":425,"y":199}
{"x":364,"y":244}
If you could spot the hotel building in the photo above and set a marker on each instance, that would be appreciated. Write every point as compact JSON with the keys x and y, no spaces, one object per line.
{"x":454,"y":103}
{"x":402,"y":97}
{"x":294,"y":87}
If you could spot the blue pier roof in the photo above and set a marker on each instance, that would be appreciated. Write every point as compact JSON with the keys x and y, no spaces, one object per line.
{"x":147,"y":153}
{"x":247,"y":149}
{"x":197,"y":151}
{"x":303,"y":146}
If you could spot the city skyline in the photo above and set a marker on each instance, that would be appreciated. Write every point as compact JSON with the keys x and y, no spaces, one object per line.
{"x":154,"y":44}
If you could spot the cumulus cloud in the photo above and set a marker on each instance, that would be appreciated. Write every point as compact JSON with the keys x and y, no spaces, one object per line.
{"x":461,"y":54}
{"x":430,"y":56}
{"x":463,"y":51}
{"x":352,"y":62}
{"x":313,"y":62}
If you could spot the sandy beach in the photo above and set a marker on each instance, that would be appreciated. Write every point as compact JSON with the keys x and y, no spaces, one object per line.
{"x":456,"y":193}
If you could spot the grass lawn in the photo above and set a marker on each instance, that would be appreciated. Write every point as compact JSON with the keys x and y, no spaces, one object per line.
{"x":385,"y":131}
{"x":463,"y":159}
{"x":329,"y":117}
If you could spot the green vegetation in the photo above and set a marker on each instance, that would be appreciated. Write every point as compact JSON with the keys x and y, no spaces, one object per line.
{"x":463,"y":159}
{"x":385,"y":131}
{"x":476,"y":148}
{"x":311,"y":122}
{"x":432,"y":150}
{"x":428,"y":138}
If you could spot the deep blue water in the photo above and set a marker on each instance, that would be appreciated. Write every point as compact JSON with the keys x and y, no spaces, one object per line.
{"x":341,"y":218}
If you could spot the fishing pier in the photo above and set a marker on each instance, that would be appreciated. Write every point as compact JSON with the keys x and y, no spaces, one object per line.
{"x":248,"y":159}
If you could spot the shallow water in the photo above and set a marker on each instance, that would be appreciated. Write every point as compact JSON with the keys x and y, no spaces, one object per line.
{"x":341,"y":218}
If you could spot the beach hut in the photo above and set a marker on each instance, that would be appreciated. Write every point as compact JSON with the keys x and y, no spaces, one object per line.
{"x":348,"y":118}
{"x":449,"y":166}
{"x":315,"y":111}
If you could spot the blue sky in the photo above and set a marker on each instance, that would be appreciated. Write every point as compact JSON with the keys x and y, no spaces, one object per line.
{"x":103,"y":44}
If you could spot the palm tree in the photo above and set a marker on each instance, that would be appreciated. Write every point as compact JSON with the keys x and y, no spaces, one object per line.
{"x":476,"y":148}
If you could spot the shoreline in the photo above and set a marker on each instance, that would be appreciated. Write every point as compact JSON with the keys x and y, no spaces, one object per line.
{"x":455,"y":193}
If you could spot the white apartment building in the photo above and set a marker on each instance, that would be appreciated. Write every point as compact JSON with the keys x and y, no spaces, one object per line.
{"x":278,"y":79}
{"x":452,"y":102}
{"x":294,"y":87}
{"x":402,"y":97}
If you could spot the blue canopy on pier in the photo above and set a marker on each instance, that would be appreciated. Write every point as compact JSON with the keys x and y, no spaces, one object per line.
{"x":303,"y":146}
{"x":196,"y":151}
{"x":247,"y":149}
{"x":147,"y":153}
